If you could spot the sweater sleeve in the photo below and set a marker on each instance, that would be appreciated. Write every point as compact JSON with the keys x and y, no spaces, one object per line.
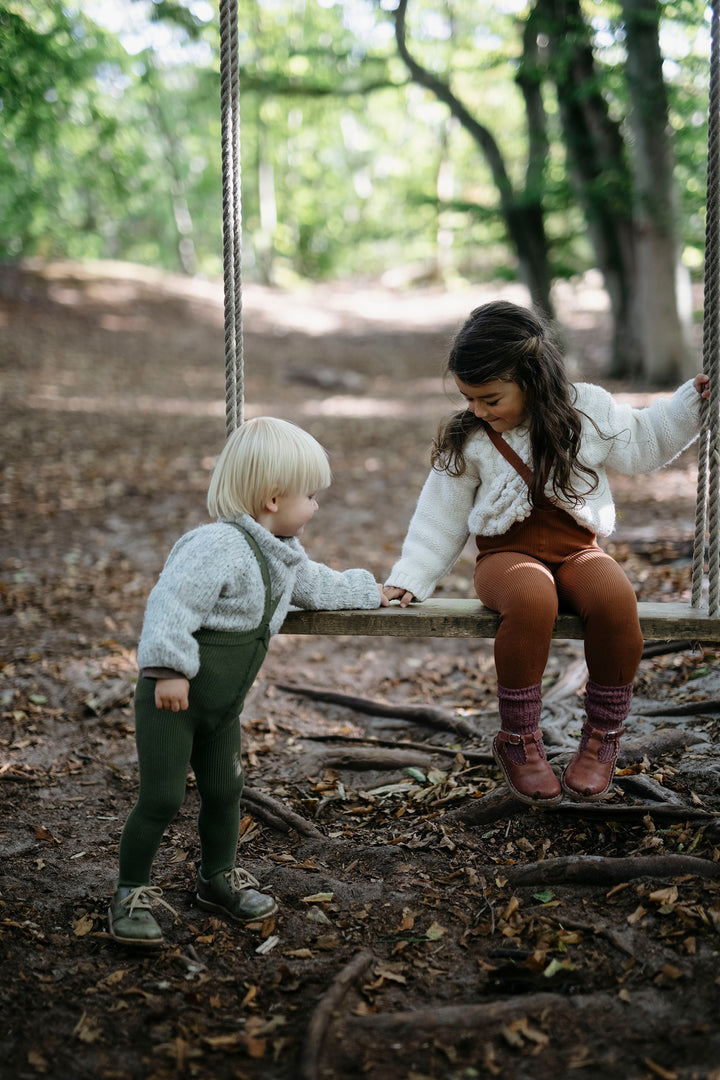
{"x":197,"y":571}
{"x":641,"y":440}
{"x":320,"y":588}
{"x":437,"y":533}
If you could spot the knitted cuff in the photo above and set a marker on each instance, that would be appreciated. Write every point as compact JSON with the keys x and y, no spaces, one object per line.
{"x":520,"y":709}
{"x":607,"y":706}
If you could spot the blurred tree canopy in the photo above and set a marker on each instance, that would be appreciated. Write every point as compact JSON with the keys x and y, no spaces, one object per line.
{"x":425,"y":139}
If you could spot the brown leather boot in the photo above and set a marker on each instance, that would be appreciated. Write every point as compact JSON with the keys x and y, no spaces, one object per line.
{"x":590,"y":773}
{"x":526,"y":768}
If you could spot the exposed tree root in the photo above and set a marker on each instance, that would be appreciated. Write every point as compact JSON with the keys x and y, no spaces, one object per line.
{"x":443,"y":719}
{"x":655,"y":744}
{"x":598,"y":870}
{"x":645,"y":787}
{"x":455,"y":1019}
{"x":686,"y":708}
{"x":310,"y":1061}
{"x":570,"y":681}
{"x":350,"y":757}
{"x":276,"y":814}
{"x":498,"y":803}
{"x":501,"y":804}
{"x":479,"y":756}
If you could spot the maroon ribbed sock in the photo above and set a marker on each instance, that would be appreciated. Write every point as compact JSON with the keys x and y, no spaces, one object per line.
{"x":606,"y":708}
{"x":519,"y":713}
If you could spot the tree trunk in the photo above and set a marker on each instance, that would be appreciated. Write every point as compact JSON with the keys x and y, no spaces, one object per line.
{"x":523,"y":215}
{"x":666,"y":306}
{"x":599,"y":173}
{"x":631,"y":217}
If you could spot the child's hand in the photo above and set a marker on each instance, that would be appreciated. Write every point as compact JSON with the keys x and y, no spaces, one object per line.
{"x":172,"y":694}
{"x":392,"y":592}
{"x":383,"y":598}
{"x":702,"y":385}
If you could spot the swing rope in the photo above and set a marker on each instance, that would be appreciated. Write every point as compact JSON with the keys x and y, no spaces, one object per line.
{"x":708,"y":486}
{"x":232,"y":214}
{"x":707,"y":517}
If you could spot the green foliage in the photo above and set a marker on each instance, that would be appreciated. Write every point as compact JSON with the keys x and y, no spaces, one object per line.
{"x":111,"y":149}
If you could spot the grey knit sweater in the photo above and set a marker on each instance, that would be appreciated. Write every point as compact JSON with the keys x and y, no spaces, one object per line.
{"x":212,"y":580}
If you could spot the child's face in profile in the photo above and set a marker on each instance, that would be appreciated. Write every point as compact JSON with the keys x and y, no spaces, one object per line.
{"x":499,"y":403}
{"x":291,"y":514}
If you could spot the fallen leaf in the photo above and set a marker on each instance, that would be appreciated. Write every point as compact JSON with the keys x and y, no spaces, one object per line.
{"x":255,"y":1047}
{"x":556,"y":965}
{"x":435,"y":932}
{"x":664,"y":896}
{"x":512,"y":1036}
{"x":317,"y":898}
{"x":328,"y":942}
{"x":86,"y":1029}
{"x":37,"y":1061}
{"x":83,"y":926}
{"x":544,"y":897}
{"x":44,"y":834}
{"x":637,"y":915}
{"x":315,"y":914}
{"x":512,"y":906}
{"x":113,"y":978}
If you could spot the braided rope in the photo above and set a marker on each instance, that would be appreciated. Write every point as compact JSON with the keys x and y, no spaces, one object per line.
{"x":708,"y":489}
{"x":232,"y":218}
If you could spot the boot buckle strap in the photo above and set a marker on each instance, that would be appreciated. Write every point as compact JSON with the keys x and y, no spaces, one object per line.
{"x":519,"y":740}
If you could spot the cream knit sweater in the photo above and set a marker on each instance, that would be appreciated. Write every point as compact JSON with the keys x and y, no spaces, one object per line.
{"x":213,"y":580}
{"x":491,"y":496}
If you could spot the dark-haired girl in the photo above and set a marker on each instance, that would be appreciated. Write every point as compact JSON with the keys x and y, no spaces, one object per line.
{"x":523,"y":470}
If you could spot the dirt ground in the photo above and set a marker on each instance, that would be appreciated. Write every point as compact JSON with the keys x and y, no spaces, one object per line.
{"x":427,"y":927}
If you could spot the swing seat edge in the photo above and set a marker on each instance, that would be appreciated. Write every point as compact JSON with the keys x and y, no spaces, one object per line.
{"x":667,"y":621}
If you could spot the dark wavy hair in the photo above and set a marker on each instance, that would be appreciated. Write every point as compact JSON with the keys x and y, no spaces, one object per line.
{"x":503,"y":341}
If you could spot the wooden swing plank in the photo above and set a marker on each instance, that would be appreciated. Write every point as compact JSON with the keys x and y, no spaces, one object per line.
{"x":469,"y":618}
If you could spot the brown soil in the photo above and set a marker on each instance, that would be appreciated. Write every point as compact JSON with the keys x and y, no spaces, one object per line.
{"x":399,"y":891}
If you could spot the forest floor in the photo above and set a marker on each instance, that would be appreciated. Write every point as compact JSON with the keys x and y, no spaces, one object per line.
{"x":427,"y":926}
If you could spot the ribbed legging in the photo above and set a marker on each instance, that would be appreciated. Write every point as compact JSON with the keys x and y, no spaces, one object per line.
{"x":205,"y":736}
{"x":542,"y":565}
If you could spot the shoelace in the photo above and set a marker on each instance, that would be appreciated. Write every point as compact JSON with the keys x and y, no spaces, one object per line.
{"x":239,"y":879}
{"x":143,"y":897}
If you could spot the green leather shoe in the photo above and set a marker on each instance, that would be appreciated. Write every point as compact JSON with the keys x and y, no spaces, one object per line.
{"x":234,"y":893}
{"x":130,"y":919}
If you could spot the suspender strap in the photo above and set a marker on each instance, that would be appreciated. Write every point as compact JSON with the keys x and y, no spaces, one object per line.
{"x":262,"y":562}
{"x":509,"y":454}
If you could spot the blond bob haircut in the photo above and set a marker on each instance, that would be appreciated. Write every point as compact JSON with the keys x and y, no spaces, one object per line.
{"x":263,"y":458}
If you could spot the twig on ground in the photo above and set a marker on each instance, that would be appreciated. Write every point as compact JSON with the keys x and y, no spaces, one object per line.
{"x":622,"y":940}
{"x":663,"y":648}
{"x":320,"y":1021}
{"x":479,"y":756}
{"x":276,"y":814}
{"x":444,"y":719}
